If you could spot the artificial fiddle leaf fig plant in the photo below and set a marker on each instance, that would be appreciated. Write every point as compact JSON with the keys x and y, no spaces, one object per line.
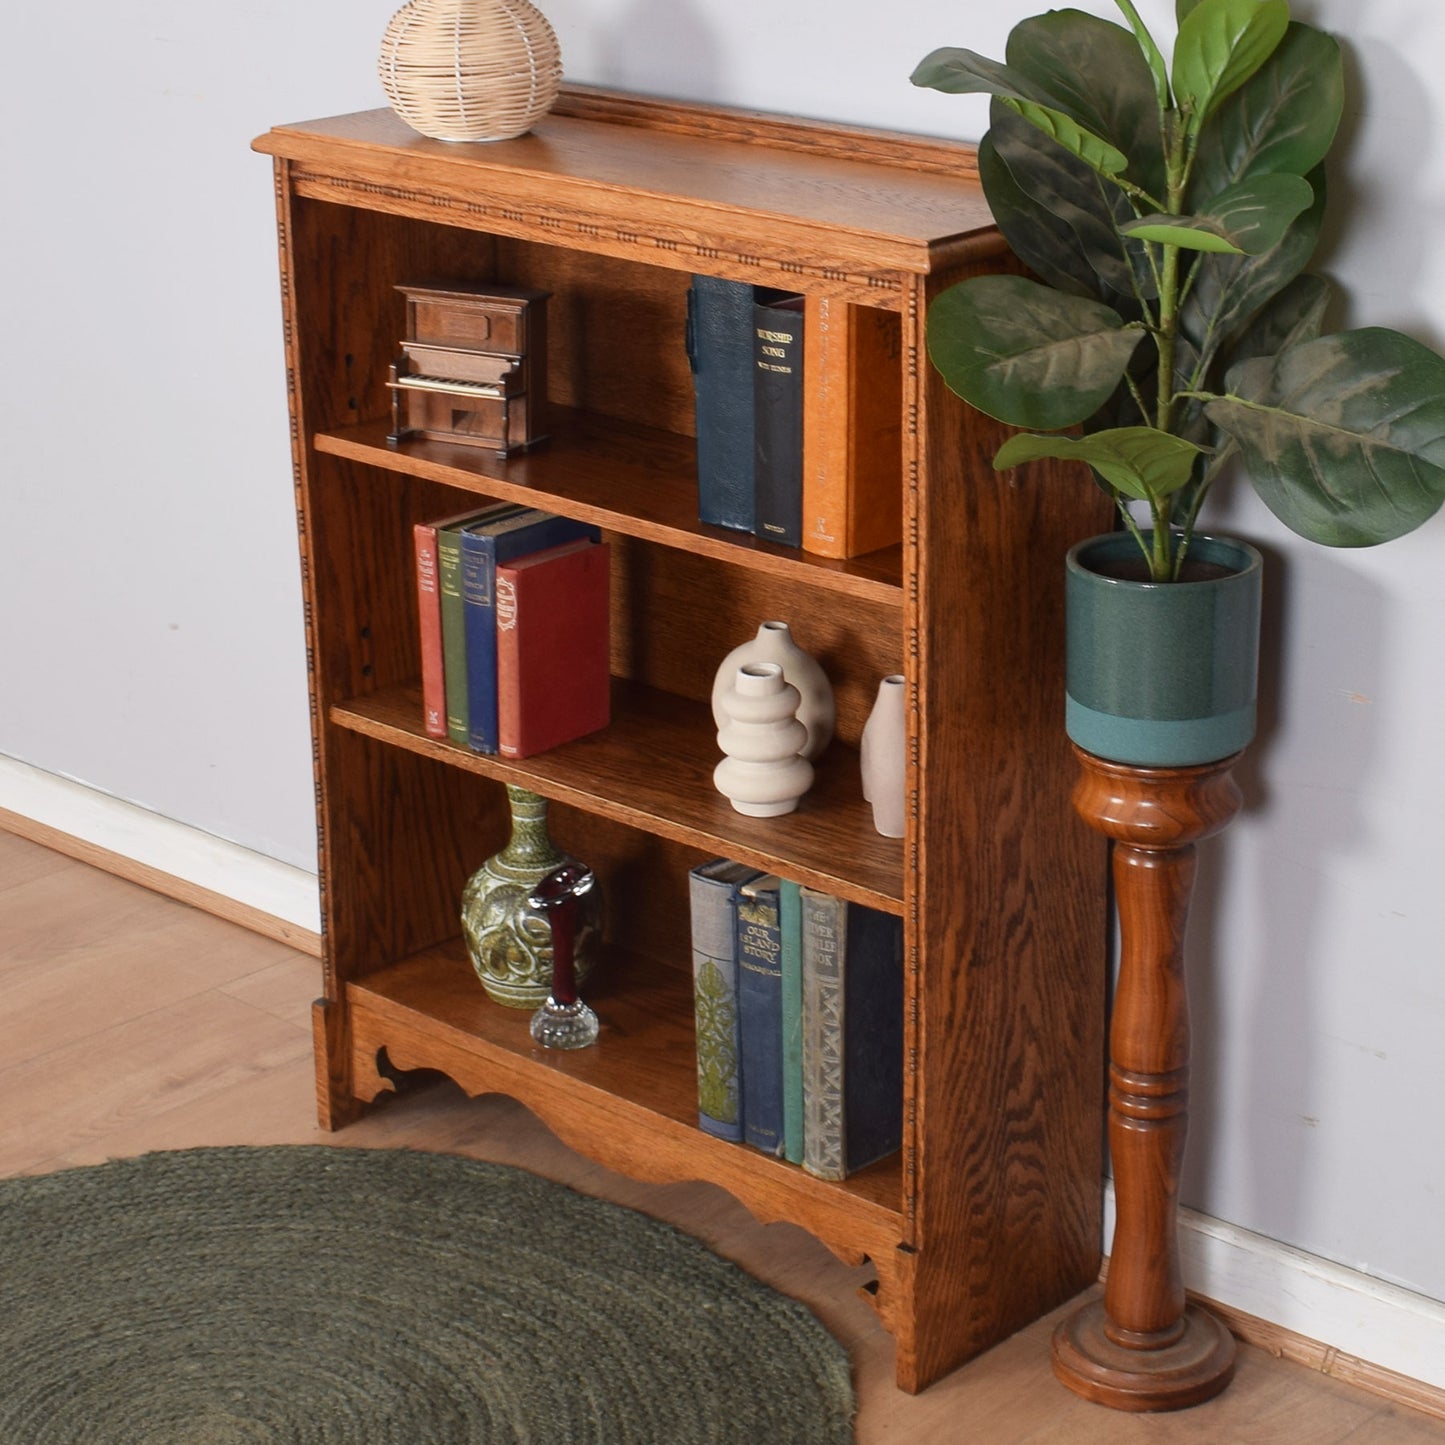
{"x":1169,"y":211}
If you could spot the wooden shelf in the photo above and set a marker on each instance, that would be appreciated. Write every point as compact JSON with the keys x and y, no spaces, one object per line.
{"x":639,"y":1083}
{"x":639,"y":481}
{"x":652,"y":769}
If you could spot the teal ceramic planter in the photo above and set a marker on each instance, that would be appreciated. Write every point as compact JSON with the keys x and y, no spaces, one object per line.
{"x":1162,"y":674}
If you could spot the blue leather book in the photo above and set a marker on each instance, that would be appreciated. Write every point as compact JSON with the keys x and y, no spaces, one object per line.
{"x":760,"y":1013}
{"x":720,"y":352}
{"x":778,"y":348}
{"x":712,"y":897}
{"x":483,"y":545}
{"x":852,"y":1035}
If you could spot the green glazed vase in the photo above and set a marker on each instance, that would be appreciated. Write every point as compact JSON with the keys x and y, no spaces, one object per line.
{"x":510,"y":944}
{"x":1162,"y":674}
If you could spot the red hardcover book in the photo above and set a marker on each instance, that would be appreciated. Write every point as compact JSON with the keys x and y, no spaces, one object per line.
{"x":553,"y":678}
{"x":429,"y":605}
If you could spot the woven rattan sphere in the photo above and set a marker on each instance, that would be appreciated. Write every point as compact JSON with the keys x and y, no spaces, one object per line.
{"x":470,"y":69}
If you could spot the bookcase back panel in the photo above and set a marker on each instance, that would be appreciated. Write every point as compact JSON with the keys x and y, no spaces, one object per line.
{"x":643,"y":880}
{"x":616,"y":333}
{"x":403,"y":834}
{"x":676,"y":616}
{"x":350,"y":319}
{"x":365,"y":575}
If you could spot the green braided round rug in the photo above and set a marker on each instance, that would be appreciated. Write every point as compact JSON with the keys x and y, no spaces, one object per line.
{"x":355,"y":1297}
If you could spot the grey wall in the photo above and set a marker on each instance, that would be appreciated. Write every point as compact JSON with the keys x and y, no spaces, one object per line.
{"x":152,"y":649}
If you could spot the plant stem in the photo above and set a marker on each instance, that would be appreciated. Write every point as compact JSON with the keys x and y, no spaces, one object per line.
{"x":1162,"y":562}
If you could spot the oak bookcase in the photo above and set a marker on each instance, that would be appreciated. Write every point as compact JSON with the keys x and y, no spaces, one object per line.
{"x":991,"y":1213}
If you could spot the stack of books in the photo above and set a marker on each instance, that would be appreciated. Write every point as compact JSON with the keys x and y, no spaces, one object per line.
{"x":514,"y":611}
{"x":798,"y":999}
{"x":798,"y":415}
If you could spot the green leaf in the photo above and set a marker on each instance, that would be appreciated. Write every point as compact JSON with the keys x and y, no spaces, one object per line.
{"x":1343,"y":436}
{"x":1221,"y":43}
{"x":1189,"y":233}
{"x":1077,"y":215}
{"x":1284,"y":118}
{"x":963,"y":72}
{"x":1043,"y":241}
{"x":1182,"y":9}
{"x":1248,"y":219}
{"x":1026,"y":354}
{"x":1093,"y":150}
{"x":1093,"y":70}
{"x":1227,"y":291}
{"x":1140,"y":461}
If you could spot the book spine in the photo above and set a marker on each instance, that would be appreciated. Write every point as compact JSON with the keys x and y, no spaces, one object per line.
{"x":823,"y":921}
{"x":479,"y":577}
{"x":852,"y":429}
{"x":791,"y":928}
{"x":454,"y":636}
{"x":778,"y":419}
{"x":720,"y":353}
{"x":872,"y":1037}
{"x":428,"y":596}
{"x":760,"y":1021}
{"x":715,"y":1004}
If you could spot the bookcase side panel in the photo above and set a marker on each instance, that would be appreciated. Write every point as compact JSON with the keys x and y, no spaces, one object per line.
{"x":1009,"y":901}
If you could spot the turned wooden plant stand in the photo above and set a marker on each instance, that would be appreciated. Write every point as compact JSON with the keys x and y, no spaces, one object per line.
{"x":1143,"y":1347}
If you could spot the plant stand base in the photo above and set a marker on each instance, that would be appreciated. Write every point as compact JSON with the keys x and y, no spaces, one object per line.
{"x":1194,"y":1368}
{"x":1143,"y":1347}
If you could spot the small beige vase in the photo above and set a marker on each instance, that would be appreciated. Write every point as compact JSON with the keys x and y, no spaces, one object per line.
{"x":883,"y":756}
{"x":469,"y":70}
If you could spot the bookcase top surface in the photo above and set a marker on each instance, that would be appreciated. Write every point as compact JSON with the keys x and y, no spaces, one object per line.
{"x":900,"y":193}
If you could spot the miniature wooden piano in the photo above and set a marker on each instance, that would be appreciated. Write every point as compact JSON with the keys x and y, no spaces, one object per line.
{"x":472,"y":367}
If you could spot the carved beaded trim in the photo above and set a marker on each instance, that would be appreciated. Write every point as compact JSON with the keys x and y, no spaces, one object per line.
{"x":882,"y":285}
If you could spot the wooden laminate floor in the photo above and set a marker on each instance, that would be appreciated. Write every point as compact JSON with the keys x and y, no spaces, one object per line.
{"x":134,"y":1022}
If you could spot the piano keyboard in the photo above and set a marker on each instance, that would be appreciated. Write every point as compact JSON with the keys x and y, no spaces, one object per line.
{"x":446,"y":384}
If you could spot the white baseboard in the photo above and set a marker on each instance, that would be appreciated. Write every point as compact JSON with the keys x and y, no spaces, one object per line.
{"x":1342,"y":1309}
{"x":1350,"y":1312}
{"x":257,"y":883}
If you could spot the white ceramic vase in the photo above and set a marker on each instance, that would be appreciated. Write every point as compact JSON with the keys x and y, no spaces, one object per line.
{"x":884,"y":750}
{"x":763,"y":774}
{"x":774,"y":643}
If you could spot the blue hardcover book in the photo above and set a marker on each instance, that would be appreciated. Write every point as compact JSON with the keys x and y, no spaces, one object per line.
{"x":852,"y":1034}
{"x":712,"y":897}
{"x":720,"y":352}
{"x":790,"y":920}
{"x":483,"y":545}
{"x":760,"y":1013}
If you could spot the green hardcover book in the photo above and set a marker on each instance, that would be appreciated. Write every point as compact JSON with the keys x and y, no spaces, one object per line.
{"x":712,"y":891}
{"x":790,"y":917}
{"x":454,"y":633}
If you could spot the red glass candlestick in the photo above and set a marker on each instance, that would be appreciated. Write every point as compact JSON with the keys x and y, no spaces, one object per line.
{"x":564,"y":1021}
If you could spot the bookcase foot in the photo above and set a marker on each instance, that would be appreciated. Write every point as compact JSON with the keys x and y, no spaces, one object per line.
{"x":336,"y":1105}
{"x":1193,"y":1367}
